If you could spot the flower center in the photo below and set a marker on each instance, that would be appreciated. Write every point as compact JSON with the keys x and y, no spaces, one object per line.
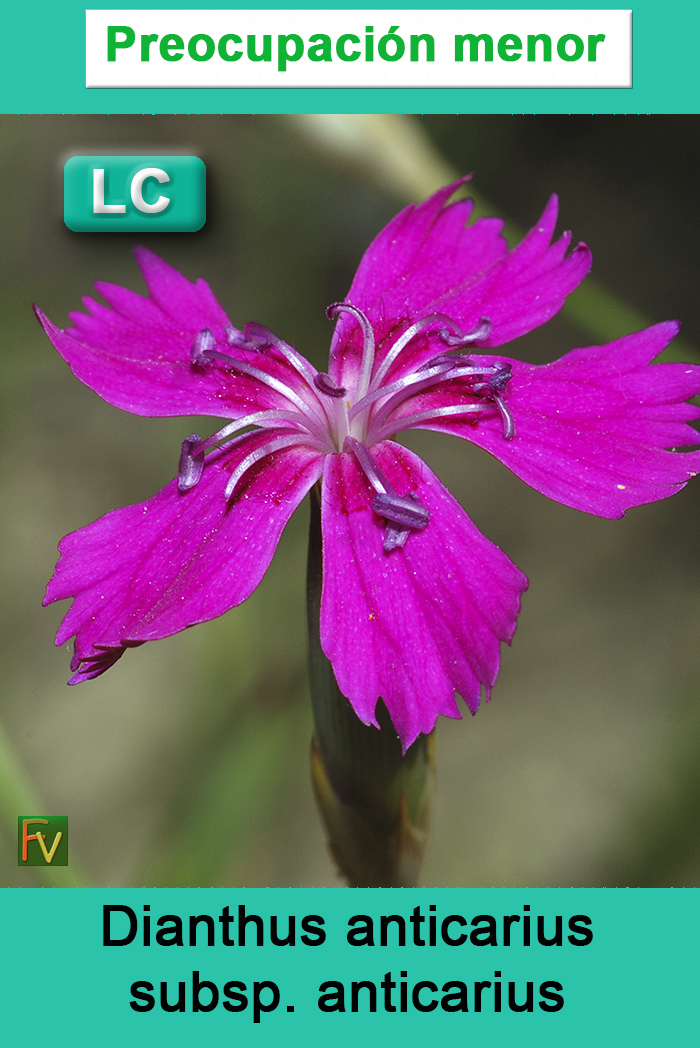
{"x":311,"y":410}
{"x":367,"y":416}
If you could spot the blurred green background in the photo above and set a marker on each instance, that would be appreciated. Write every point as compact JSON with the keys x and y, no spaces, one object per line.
{"x":187,"y":764}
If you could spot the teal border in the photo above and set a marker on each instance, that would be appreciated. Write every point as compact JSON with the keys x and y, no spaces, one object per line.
{"x":43,"y":70}
{"x":637,"y":983}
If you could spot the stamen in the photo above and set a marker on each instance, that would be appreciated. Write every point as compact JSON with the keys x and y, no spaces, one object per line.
{"x":409,"y":334}
{"x":407,"y":512}
{"x":407,"y":387}
{"x":325,"y":384}
{"x":491,"y":379}
{"x":256,"y":333}
{"x":192,"y":456}
{"x":255,"y":419}
{"x":419,"y":378}
{"x":402,"y":513}
{"x":278,"y":444}
{"x":465,"y":365}
{"x":396,"y":532}
{"x":317,"y":423}
{"x":255,"y":337}
{"x":492,"y":388}
{"x":410,"y":421}
{"x":312,"y":420}
{"x":234,"y":337}
{"x":506,"y":415}
{"x":495,"y":382}
{"x":456,"y":340}
{"x":368,"y":342}
{"x":367,"y":464}
{"x":259,"y":337}
{"x":191,"y":464}
{"x":203,"y":342}
{"x":478,"y":333}
{"x":204,"y":352}
{"x":402,"y":516}
{"x":394,"y":538}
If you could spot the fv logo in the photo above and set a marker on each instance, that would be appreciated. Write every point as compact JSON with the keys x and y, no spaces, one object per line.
{"x":42,"y":840}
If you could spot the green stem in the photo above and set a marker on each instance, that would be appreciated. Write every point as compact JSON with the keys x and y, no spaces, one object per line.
{"x":373,"y":799}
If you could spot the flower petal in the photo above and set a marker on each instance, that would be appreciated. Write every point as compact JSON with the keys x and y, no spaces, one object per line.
{"x":593,"y":428}
{"x":417,"y":624}
{"x":135,"y":352}
{"x":150,"y":570}
{"x":428,"y":260}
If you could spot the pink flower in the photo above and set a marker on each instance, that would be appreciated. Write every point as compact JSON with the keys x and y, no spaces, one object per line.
{"x":415,"y":600}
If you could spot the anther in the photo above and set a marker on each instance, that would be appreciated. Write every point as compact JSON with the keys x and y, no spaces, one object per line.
{"x":260,"y":337}
{"x":500,"y":380}
{"x":402,"y":513}
{"x":325,"y":384}
{"x":456,"y":338}
{"x":394,"y":538}
{"x":191,"y":464}
{"x":495,"y":382}
{"x":450,"y":362}
{"x":506,"y":415}
{"x":202,"y":343}
{"x":491,"y":381}
{"x":406,"y":511}
{"x":492,"y":386}
{"x":368,"y":345}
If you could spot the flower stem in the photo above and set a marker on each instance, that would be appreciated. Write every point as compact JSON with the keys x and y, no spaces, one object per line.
{"x":374,"y":801}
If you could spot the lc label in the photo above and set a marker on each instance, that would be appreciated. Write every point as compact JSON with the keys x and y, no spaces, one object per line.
{"x":121,"y":194}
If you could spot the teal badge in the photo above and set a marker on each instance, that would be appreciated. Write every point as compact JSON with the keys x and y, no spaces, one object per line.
{"x":129,"y":194}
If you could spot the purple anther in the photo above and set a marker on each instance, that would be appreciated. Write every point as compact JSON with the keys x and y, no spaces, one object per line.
{"x":403,"y":515}
{"x":495,"y":382}
{"x":495,"y":376}
{"x":236,"y":338}
{"x":325,"y":384}
{"x":405,"y":510}
{"x":451,"y":362}
{"x":492,"y":387}
{"x":506,"y":415}
{"x":336,"y":308}
{"x":500,"y":379}
{"x":260,"y":336}
{"x":368,"y":345}
{"x":481,"y":330}
{"x":394,"y":537}
{"x":478,"y":333}
{"x":191,"y":465}
{"x":202,"y":343}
